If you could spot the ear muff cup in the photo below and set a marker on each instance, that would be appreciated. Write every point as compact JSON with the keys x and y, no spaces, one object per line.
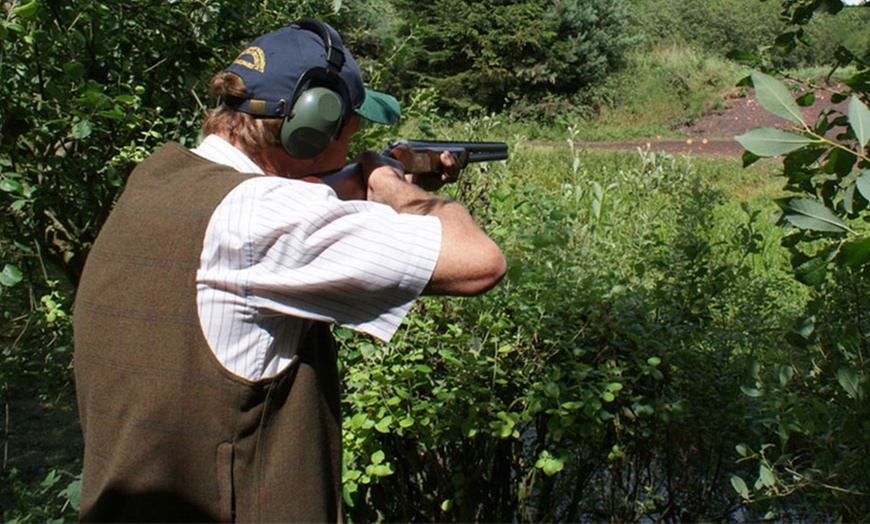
{"x":315,"y":119}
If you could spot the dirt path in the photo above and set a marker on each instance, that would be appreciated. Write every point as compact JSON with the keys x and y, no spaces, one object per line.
{"x":713,"y":133}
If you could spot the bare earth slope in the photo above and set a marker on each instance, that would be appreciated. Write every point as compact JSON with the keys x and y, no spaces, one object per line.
{"x":713,"y":133}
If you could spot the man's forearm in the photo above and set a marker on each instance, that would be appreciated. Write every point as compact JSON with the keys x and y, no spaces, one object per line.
{"x":469,"y":262}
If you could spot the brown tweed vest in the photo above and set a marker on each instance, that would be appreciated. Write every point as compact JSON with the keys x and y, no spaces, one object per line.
{"x":170,"y":435}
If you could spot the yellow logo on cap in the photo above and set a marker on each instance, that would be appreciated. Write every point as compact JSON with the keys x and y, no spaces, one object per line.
{"x":252,"y":58}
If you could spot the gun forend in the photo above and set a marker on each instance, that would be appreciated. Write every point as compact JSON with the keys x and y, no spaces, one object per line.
{"x":422,"y":156}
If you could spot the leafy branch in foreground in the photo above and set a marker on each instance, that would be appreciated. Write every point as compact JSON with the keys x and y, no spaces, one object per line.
{"x":816,"y":411}
{"x":833,"y":175}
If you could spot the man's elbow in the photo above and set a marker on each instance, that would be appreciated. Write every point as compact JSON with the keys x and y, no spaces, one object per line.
{"x":478,"y":271}
{"x":489,"y":269}
{"x":495,"y":272}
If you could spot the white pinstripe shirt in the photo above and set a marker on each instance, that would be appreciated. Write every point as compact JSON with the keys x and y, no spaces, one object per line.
{"x":280,"y":253}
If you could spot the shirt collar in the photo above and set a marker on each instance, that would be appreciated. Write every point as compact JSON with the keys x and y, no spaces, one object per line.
{"x":218,"y":150}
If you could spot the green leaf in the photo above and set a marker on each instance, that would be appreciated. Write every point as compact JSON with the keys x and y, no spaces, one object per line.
{"x":740,"y":486}
{"x":849,"y":199}
{"x":810,"y":271}
{"x":551,"y":389}
{"x":380,"y":470}
{"x":73,"y":493}
{"x":855,"y":252}
{"x":775,"y":97}
{"x":10,"y":186}
{"x":549,"y":464}
{"x":807,"y":213}
{"x":27,"y":10}
{"x":81,"y":129}
{"x":859,"y":119}
{"x":863,"y":184}
{"x":851,"y":382}
{"x":770,"y":141}
{"x":766,"y":475}
{"x":383,"y":425}
{"x":751,"y":392}
{"x":10,"y":276}
{"x":807,"y":99}
{"x":786,"y":372}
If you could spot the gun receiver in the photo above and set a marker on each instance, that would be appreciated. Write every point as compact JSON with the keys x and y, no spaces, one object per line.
{"x":421,"y":157}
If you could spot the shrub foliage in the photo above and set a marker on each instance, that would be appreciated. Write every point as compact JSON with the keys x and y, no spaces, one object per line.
{"x":813,"y":407}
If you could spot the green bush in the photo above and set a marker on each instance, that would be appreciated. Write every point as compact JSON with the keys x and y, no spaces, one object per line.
{"x":600,"y":380}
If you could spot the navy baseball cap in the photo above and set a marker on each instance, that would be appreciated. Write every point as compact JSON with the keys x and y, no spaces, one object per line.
{"x":272,"y":65}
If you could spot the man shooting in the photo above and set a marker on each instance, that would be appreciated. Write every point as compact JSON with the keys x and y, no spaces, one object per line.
{"x":206,"y":374}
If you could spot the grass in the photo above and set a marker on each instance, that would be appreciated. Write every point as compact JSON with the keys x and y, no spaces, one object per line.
{"x":662,"y":90}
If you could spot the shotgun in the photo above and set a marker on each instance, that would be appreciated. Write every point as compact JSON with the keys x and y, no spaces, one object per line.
{"x":421,"y":157}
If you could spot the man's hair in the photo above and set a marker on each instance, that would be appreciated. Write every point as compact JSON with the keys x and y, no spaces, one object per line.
{"x":250,"y":133}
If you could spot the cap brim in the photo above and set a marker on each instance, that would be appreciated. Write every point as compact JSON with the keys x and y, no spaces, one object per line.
{"x":380,"y":107}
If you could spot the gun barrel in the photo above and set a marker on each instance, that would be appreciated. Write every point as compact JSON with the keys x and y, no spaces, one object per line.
{"x":487,"y":156}
{"x":477,"y":151}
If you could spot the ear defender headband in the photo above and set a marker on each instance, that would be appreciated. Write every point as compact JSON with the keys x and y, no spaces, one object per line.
{"x":320,"y":101}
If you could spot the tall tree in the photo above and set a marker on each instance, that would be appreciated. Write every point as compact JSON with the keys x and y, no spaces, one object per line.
{"x":490,"y":54}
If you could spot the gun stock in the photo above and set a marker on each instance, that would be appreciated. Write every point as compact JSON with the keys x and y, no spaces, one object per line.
{"x":421,"y":157}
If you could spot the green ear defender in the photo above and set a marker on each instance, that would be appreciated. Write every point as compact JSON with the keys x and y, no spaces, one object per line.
{"x":319,"y":103}
{"x":315,"y":119}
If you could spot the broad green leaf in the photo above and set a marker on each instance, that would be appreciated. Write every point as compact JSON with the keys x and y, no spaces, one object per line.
{"x":383,"y":425}
{"x":551,"y":389}
{"x":855,"y":253}
{"x":381,"y":470}
{"x":863,"y":184}
{"x":549,"y":464}
{"x":751,"y":392}
{"x":73,"y":493}
{"x":10,"y":276}
{"x":849,"y":199}
{"x":851,"y":382}
{"x":811,"y":271}
{"x":766,"y":475}
{"x":10,"y":186}
{"x":770,"y":141}
{"x":859,"y":119}
{"x":786,"y":372}
{"x":740,"y":486}
{"x":775,"y":97}
{"x":81,"y":129}
{"x":27,"y":10}
{"x":806,"y":213}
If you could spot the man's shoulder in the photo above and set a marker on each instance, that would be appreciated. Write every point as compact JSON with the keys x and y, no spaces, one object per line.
{"x":172,"y":160}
